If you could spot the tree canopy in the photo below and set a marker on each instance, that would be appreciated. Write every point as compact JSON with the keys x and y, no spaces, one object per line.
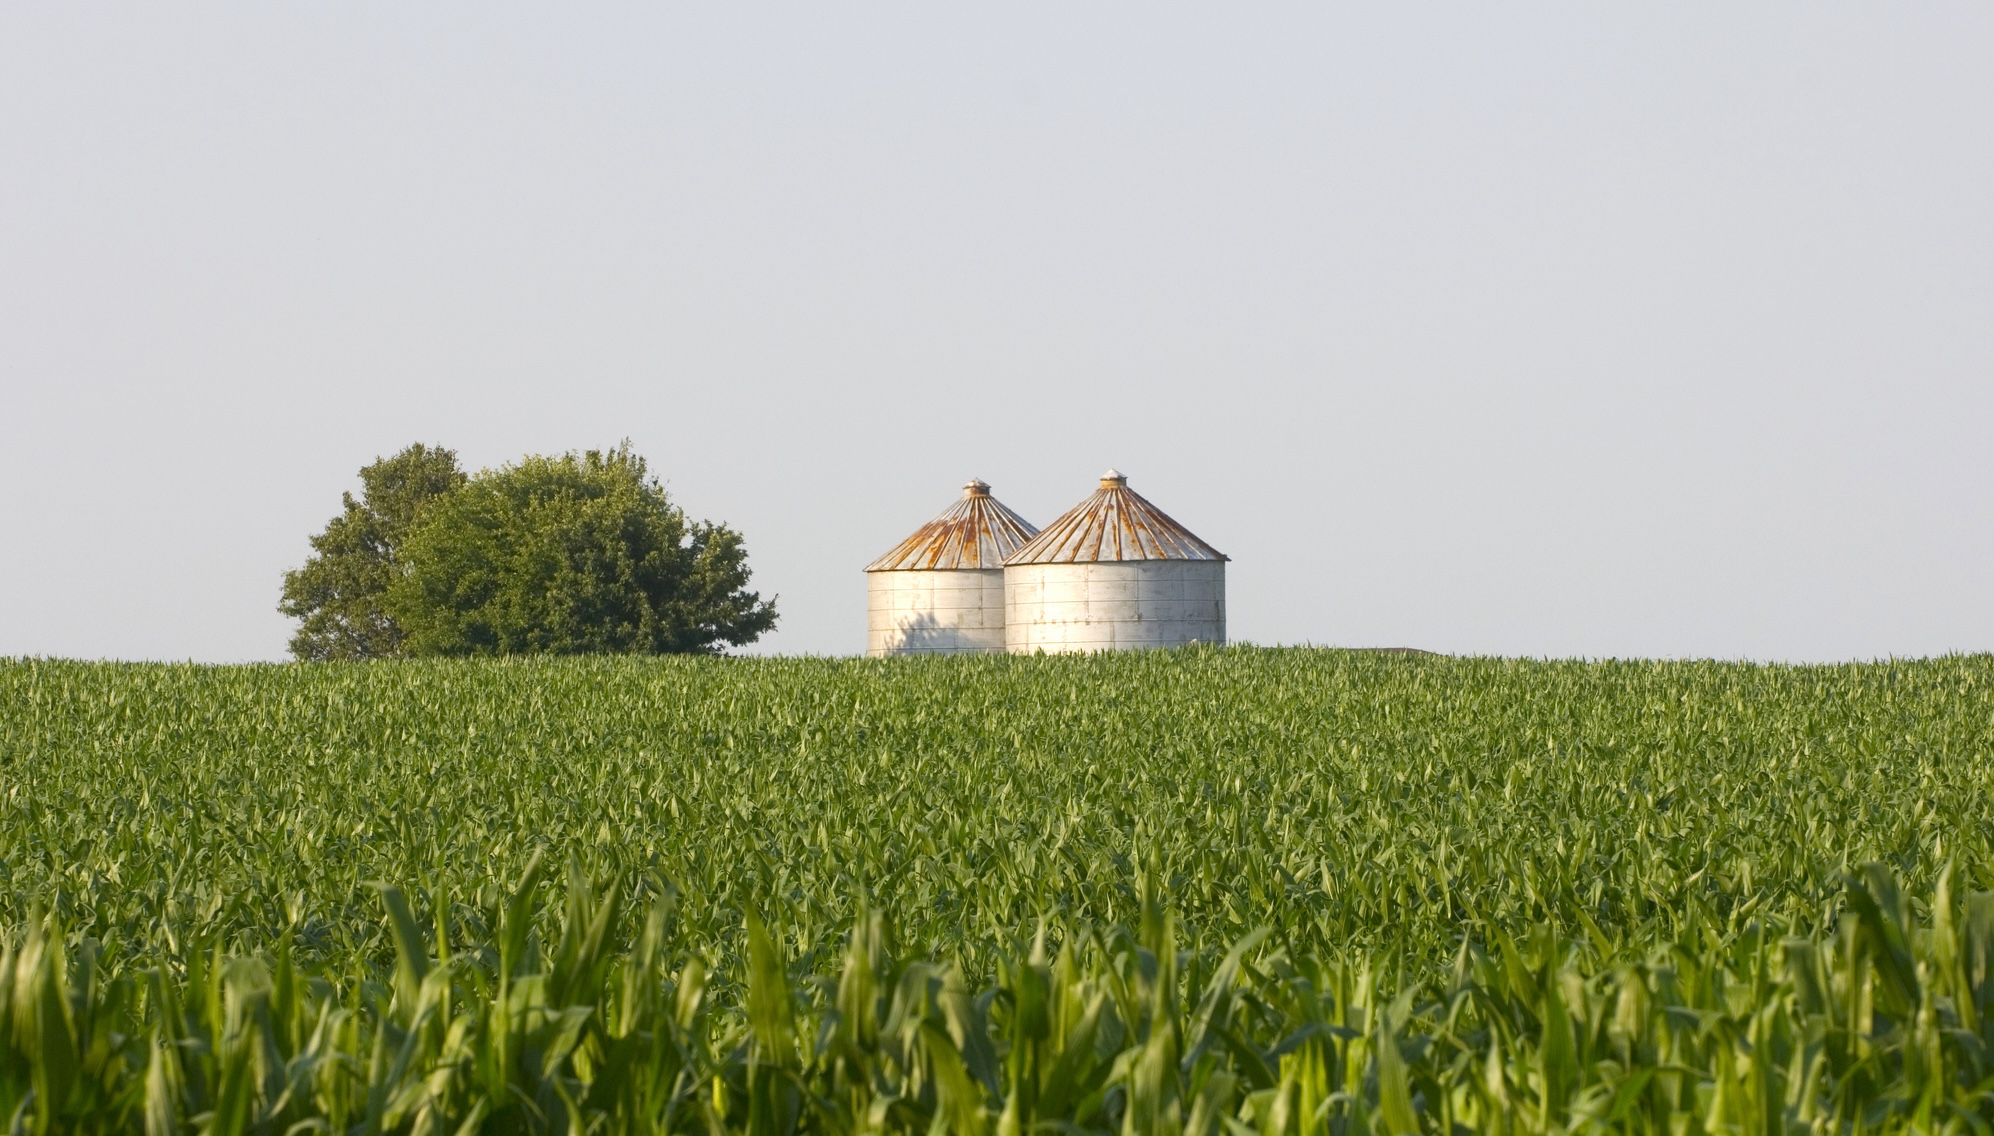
{"x":338,"y":593}
{"x":575,"y":554}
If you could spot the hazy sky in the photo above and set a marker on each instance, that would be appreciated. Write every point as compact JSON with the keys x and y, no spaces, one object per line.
{"x":1545,"y":330}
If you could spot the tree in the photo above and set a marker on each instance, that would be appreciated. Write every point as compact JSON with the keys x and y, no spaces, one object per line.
{"x":339,"y":591}
{"x":578,"y":554}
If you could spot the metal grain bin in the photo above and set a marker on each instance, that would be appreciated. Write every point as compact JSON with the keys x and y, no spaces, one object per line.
{"x":941,"y":591}
{"x":1115,"y":573}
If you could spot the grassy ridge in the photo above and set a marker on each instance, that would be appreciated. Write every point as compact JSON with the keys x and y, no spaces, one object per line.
{"x":1350,"y":803}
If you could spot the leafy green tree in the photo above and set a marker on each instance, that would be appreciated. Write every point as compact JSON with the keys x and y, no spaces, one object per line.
{"x":578,"y":554}
{"x":338,"y":593}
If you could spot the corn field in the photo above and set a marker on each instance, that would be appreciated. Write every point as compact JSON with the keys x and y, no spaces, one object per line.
{"x":1204,"y":891}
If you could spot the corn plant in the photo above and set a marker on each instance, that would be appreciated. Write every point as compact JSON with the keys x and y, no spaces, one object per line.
{"x":1205,"y":890}
{"x":1882,"y":1025}
{"x":1343,"y":801}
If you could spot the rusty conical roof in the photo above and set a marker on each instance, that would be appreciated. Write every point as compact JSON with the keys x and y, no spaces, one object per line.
{"x":1116,"y":523}
{"x":975,"y":532}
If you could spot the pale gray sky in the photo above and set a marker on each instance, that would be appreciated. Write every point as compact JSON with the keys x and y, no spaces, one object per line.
{"x":1549,"y":330}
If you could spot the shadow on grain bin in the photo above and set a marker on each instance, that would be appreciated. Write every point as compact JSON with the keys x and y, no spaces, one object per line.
{"x":923,"y":632}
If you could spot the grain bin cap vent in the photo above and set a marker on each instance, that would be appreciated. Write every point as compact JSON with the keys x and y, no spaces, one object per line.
{"x":975,"y":532}
{"x":1116,"y":523}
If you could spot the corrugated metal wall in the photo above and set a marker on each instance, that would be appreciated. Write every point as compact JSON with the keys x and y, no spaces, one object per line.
{"x":1118,"y":606}
{"x":938,"y":613}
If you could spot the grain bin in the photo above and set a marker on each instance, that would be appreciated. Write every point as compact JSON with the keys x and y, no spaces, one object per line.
{"x":941,"y":591}
{"x":1114,"y":573}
